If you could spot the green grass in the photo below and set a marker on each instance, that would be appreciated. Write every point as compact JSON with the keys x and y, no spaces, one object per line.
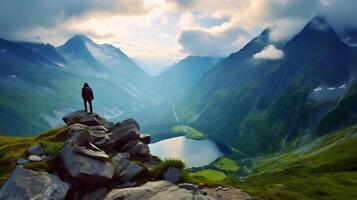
{"x":295,"y":185}
{"x":226,"y":164}
{"x":323,"y":169}
{"x":167,"y":163}
{"x":51,"y":148}
{"x":191,"y":133}
{"x":12,"y":148}
{"x":208,"y":175}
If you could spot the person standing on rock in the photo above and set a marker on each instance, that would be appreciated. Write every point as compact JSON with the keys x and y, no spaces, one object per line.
{"x":87,"y":95}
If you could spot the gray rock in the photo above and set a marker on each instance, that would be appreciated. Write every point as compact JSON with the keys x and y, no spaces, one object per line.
{"x":122,"y":135}
{"x":98,"y":128}
{"x":172,"y":174}
{"x":21,"y":161}
{"x":82,"y":117}
{"x":28,"y":184}
{"x":130,"y":122}
{"x":86,"y":169}
{"x":120,"y":166}
{"x":108,"y":125}
{"x":126,"y":185}
{"x":154,"y":191}
{"x":189,"y":186}
{"x":97,"y":194}
{"x":76,"y":128}
{"x":83,"y":138}
{"x":136,"y":149}
{"x":36,"y":150}
{"x":130,"y":172}
{"x":89,"y":152}
{"x":120,"y":156}
{"x":34,"y":158}
{"x":145,"y":138}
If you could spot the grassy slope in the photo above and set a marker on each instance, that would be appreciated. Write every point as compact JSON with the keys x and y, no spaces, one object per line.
{"x":226,"y":164}
{"x":191,"y":133}
{"x":322,"y":169}
{"x":14,"y":147}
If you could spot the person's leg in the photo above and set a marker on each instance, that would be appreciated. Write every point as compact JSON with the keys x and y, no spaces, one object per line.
{"x":90,"y":106}
{"x":85,"y":105}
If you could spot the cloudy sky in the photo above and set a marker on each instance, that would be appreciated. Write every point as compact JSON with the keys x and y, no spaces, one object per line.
{"x":158,"y":32}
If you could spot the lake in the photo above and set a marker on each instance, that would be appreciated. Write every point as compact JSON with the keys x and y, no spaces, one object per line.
{"x":195,"y":153}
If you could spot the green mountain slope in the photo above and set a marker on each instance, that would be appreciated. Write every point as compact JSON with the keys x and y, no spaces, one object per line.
{"x":260,"y":106}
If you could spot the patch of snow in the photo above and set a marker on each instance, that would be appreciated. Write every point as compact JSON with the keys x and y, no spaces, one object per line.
{"x":331,"y":88}
{"x":349,"y":41}
{"x":317,"y":89}
{"x":2,"y":50}
{"x":13,"y":76}
{"x":329,"y":94}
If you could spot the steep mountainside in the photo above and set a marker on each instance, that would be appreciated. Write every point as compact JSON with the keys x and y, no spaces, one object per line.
{"x":50,"y":81}
{"x":184,"y":74}
{"x":261,"y":105}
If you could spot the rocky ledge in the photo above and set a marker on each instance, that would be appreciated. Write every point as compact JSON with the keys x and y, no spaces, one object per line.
{"x":100,"y":160}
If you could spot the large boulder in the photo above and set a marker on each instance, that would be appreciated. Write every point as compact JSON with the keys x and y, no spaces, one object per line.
{"x":125,"y":170}
{"x":123,"y":134}
{"x":172,"y":174}
{"x":83,"y":138}
{"x":130,"y":172}
{"x":82,"y":117}
{"x":130,"y":122}
{"x":36,"y":150}
{"x":28,"y":184}
{"x":136,"y":149}
{"x":84,"y":168}
{"x":155,"y":190}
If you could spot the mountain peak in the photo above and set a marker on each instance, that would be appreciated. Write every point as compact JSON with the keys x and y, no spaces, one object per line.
{"x":319,"y":23}
{"x":82,"y":37}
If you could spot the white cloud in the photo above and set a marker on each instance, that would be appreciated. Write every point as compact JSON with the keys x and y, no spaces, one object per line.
{"x":199,"y":27}
{"x":269,"y":53}
{"x":285,"y":29}
{"x":216,"y":41}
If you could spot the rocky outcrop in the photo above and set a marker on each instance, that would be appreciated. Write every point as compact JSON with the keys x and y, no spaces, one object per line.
{"x":155,"y":190}
{"x":101,"y":160}
{"x":84,"y":168}
{"x":28,"y":184}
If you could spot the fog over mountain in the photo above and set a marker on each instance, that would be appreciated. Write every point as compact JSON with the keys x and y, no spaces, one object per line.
{"x":206,"y":99}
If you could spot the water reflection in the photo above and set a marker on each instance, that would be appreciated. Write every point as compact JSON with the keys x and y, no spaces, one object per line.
{"x":194,"y":153}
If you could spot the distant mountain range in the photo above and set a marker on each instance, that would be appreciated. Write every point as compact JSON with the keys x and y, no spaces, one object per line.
{"x":47,"y":80}
{"x":263,"y":105}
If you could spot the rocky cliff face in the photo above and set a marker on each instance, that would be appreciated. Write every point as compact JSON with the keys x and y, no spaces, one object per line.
{"x":100,"y":160}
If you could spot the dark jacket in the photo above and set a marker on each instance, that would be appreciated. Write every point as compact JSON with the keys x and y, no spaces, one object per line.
{"x":87,"y":93}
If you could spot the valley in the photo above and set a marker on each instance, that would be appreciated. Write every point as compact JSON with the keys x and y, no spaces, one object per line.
{"x":283,"y":128}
